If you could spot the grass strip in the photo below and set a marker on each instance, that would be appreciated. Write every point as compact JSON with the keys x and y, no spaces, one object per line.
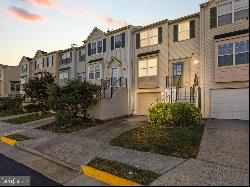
{"x":28,"y":118}
{"x":176,"y":142}
{"x":18,"y":137}
{"x":124,"y":171}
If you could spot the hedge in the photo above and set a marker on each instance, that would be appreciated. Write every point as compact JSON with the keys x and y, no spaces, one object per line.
{"x":174,"y":115}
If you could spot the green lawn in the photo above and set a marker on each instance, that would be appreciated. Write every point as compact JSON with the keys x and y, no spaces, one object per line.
{"x":176,"y":142}
{"x":28,"y":118}
{"x":124,"y":171}
{"x":8,"y":113}
{"x":18,"y":137}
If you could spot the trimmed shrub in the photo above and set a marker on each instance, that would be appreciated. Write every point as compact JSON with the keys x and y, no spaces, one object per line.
{"x":175,"y":115}
{"x":11,"y":104}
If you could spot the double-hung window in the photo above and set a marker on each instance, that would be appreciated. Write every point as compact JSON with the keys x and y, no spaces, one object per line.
{"x":39,"y":64}
{"x":118,"y":41}
{"x":14,"y":86}
{"x":149,"y":37}
{"x":24,"y":69}
{"x":184,"y":31}
{"x":82,"y":56}
{"x":63,"y":76}
{"x":225,"y":54}
{"x":93,"y":48}
{"x":94,"y":72}
{"x":50,"y":61}
{"x":99,"y":47}
{"x":241,"y":9}
{"x":91,"y":72}
{"x":242,"y":52}
{"x":147,"y":67}
{"x":225,"y":14}
{"x":97,"y":72}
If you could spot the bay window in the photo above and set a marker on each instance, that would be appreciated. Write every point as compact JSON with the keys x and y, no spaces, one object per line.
{"x":147,"y":67}
{"x":242,"y":52}
{"x":234,"y":53}
{"x":225,"y":55}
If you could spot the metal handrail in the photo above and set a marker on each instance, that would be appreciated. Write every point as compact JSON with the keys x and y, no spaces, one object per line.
{"x":103,"y":88}
{"x":115,"y":88}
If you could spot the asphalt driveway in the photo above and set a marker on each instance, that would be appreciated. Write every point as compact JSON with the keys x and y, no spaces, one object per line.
{"x":226,"y":142}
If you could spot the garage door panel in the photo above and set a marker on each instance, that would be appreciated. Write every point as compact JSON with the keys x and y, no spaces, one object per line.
{"x":230,"y":104}
{"x":144,"y":100}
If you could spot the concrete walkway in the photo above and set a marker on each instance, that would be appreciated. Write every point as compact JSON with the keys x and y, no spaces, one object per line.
{"x":223,"y":158}
{"x":7,"y":129}
{"x":108,"y":131}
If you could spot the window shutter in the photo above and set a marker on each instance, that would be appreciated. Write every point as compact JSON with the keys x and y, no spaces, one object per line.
{"x":112,"y":43}
{"x":80,"y":55}
{"x":192,"y":29}
{"x":52,"y":60}
{"x":123,"y":40}
{"x":159,"y":35}
{"x":89,"y":49}
{"x":35,"y":64}
{"x":176,"y":32}
{"x":104,"y":45}
{"x":213,"y":17}
{"x":43,"y":62}
{"x":138,"y":41}
{"x":71,"y":57}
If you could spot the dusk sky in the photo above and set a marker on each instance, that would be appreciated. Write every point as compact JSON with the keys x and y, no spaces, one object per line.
{"x":48,"y":25}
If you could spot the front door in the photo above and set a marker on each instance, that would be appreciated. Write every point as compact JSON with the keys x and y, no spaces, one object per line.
{"x":114,"y":77}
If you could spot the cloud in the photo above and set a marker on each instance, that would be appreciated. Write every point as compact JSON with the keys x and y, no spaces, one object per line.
{"x":24,"y":14}
{"x":48,"y":3}
{"x":111,"y":22}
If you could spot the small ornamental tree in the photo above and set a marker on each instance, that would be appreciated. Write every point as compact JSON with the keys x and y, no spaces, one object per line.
{"x":72,"y":100}
{"x":37,"y":88}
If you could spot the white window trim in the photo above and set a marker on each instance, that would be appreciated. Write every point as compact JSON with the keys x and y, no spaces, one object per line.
{"x":157,"y":67}
{"x":187,"y":31}
{"x":96,"y":51}
{"x":232,"y":12}
{"x":148,"y":39}
{"x":94,"y":66}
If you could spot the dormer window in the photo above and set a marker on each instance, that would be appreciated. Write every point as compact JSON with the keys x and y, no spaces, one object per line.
{"x":118,"y":41}
{"x":39,"y":64}
{"x":99,"y":47}
{"x":50,"y":61}
{"x":66,"y":58}
{"x":24,"y":68}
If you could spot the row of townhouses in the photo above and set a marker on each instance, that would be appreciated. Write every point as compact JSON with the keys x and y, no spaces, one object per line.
{"x":201,"y":58}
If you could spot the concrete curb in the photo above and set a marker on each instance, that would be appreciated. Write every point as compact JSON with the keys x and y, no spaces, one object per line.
{"x":8,"y":141}
{"x":107,"y":178}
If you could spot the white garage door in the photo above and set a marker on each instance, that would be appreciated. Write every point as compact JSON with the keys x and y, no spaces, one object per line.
{"x":230,"y":104}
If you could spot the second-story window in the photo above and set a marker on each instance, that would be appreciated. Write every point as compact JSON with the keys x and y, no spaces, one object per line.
{"x":118,"y":41}
{"x":99,"y":47}
{"x":242,"y":52}
{"x":66,"y":58}
{"x":147,"y":67}
{"x":225,"y":54}
{"x":39,"y":64}
{"x":82,"y":56}
{"x":24,"y":69}
{"x":50,"y":61}
{"x":93,"y":48}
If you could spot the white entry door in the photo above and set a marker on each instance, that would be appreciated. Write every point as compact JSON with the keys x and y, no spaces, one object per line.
{"x":230,"y":104}
{"x":114,"y":76}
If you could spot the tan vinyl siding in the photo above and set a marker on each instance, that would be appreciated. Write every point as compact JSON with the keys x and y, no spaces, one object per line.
{"x":208,"y":57}
{"x":187,"y":52}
